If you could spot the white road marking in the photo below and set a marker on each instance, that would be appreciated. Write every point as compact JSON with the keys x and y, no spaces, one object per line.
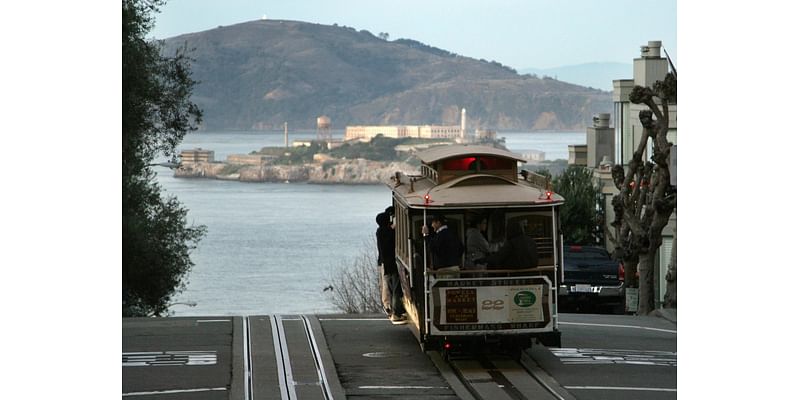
{"x":620,"y":326}
{"x":620,"y":388}
{"x":573,"y":356}
{"x":165,"y":358}
{"x":174,"y":391}
{"x":213,"y":320}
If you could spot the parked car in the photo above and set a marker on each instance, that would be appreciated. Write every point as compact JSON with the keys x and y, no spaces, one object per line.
{"x":592,"y":280}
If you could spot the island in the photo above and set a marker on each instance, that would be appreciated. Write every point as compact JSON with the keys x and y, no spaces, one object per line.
{"x":314,"y":161}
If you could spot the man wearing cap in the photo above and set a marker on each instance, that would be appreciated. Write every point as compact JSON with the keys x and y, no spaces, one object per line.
{"x":446,"y":248}
{"x":385,"y":236}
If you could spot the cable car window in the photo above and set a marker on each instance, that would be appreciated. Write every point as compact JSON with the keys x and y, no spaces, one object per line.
{"x":534,"y":225}
{"x":539,"y":226}
{"x":477,"y":164}
{"x":493,"y":163}
{"x":461,"y":164}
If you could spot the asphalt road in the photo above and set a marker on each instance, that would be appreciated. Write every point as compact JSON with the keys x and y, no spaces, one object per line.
{"x":613,"y":357}
{"x":177,"y":358}
{"x":602,"y":357}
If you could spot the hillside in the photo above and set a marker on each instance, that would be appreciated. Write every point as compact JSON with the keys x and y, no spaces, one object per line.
{"x":258,"y":74}
{"x":595,"y":75}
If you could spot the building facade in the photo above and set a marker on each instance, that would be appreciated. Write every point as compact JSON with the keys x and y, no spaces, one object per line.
{"x":401,"y":131}
{"x":647,"y":69}
{"x":606,"y":145}
{"x":197,"y":155}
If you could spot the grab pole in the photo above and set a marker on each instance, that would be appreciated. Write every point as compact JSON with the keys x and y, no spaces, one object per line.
{"x":425,"y":269}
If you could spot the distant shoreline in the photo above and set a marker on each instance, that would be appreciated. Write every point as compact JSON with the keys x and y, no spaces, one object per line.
{"x":348,"y":172}
{"x":312,"y":131}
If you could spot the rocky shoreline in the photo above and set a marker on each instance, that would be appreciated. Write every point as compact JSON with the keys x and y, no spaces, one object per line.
{"x":353,"y":172}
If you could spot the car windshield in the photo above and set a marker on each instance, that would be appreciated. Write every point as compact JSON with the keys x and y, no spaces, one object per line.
{"x":586,"y":254}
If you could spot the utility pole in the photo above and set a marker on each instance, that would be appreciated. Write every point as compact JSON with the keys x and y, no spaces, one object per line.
{"x":286,"y":134}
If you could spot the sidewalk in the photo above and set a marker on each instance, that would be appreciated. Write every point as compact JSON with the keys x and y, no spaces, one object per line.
{"x":670,"y":314}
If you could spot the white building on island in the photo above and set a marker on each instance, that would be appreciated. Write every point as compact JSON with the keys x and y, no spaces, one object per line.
{"x":367,"y":132}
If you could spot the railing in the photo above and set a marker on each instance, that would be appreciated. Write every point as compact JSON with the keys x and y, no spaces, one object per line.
{"x":429,"y":173}
{"x":538,"y":180}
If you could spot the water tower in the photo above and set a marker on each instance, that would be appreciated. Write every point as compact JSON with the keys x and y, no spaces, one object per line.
{"x":323,"y":128}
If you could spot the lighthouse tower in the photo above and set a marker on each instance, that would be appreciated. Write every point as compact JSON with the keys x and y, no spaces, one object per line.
{"x":463,"y":124}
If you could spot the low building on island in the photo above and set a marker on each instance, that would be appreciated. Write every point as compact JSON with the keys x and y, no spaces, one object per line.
{"x":251,"y":159}
{"x":196,"y":155}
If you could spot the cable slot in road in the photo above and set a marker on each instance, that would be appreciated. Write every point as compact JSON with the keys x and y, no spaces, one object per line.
{"x":284,"y":361}
{"x":323,"y":380}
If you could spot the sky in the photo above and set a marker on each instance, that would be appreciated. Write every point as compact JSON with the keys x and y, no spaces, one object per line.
{"x":518,"y":33}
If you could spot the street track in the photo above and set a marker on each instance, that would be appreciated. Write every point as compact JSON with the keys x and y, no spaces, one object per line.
{"x":248,"y":359}
{"x":301,"y":372}
{"x":493,"y":377}
{"x":281,"y":359}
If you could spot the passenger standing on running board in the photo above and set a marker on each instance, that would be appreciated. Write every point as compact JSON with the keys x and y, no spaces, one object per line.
{"x":385,"y":296}
{"x":385,"y":236}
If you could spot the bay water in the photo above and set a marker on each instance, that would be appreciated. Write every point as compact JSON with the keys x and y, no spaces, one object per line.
{"x":272,"y":247}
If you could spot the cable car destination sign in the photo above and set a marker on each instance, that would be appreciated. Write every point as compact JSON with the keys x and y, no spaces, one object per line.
{"x":488,"y":305}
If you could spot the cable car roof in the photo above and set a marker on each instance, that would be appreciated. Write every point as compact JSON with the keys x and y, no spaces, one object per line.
{"x":474,"y":190}
{"x":443,"y":152}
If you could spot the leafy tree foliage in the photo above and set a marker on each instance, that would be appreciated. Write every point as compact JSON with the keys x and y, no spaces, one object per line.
{"x":156,"y":114}
{"x":380,"y":148}
{"x":293,"y":155}
{"x":578,"y":217}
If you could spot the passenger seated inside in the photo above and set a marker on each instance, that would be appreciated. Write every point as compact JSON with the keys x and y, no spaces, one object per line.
{"x":477,"y":248}
{"x":518,"y":251}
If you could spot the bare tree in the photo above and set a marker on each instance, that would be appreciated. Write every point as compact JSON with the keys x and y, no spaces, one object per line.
{"x":355,"y":285}
{"x":646,"y":199}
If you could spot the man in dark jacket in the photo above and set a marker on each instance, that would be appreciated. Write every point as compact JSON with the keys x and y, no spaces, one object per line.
{"x":386,"y":254}
{"x":386,"y":299}
{"x":446,"y":248}
{"x":518,"y":251}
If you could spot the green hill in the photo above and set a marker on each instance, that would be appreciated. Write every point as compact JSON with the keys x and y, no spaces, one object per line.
{"x":258,"y":74}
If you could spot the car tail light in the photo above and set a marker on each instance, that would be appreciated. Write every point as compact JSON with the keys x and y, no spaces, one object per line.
{"x":575,"y":248}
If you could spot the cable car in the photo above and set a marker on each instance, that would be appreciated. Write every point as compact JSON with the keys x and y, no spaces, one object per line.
{"x":503,"y":306}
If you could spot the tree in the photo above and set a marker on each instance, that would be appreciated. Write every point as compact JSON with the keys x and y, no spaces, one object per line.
{"x":578,"y":215}
{"x":355,"y":287}
{"x":156,"y":114}
{"x":646,"y":199}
